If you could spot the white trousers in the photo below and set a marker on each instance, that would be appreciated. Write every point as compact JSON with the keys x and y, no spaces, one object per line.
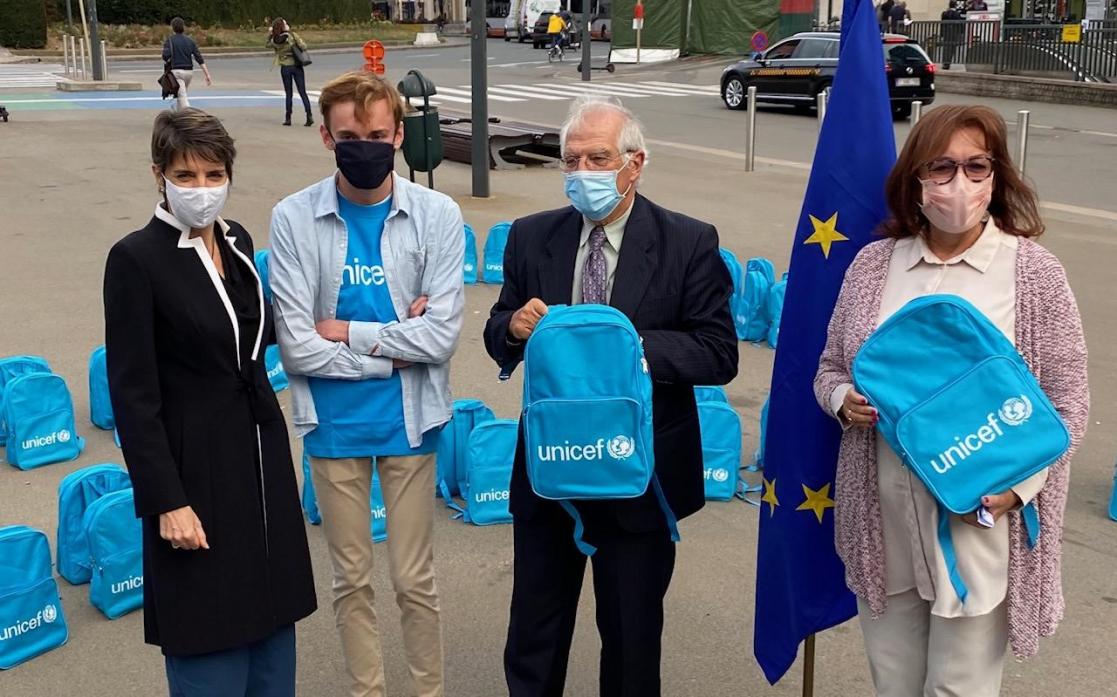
{"x":184,"y":78}
{"x":913,"y":653}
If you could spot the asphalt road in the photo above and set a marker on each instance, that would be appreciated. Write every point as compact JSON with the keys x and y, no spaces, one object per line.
{"x":72,"y":181}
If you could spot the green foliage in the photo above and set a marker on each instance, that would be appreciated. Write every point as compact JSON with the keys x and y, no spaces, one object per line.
{"x":23,"y":23}
{"x":223,"y":13}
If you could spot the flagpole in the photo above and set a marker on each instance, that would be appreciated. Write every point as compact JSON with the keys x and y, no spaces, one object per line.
{"x":808,"y":666}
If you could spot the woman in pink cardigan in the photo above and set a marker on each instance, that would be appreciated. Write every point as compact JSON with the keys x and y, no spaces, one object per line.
{"x":963,"y":223}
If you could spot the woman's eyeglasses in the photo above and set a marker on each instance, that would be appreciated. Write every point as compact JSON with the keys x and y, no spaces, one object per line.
{"x":943,"y":170}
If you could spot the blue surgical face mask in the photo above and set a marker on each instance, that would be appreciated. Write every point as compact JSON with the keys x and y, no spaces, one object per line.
{"x":594,"y":193}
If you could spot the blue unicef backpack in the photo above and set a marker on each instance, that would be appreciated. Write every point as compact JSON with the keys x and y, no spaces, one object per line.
{"x":453,"y":441}
{"x":115,"y":538}
{"x":969,"y":419}
{"x":721,"y":449}
{"x":775,"y":309}
{"x":11,"y":368}
{"x":262,"y":269}
{"x":379,"y":525}
{"x":1113,"y":499}
{"x":273,"y":363}
{"x":76,"y":494}
{"x":752,"y":311}
{"x":758,"y":459}
{"x":469,"y":266}
{"x":40,"y":417}
{"x":738,"y":276}
{"x":494,"y":253}
{"x":588,"y":411}
{"x":491,"y":451}
{"x":710,"y":393}
{"x":100,"y":406}
{"x":31,"y":619}
{"x":310,"y":499}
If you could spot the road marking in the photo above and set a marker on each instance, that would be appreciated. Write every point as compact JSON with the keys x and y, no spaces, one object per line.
{"x":521,"y":91}
{"x":648,"y":89}
{"x":426,"y":55}
{"x":145,"y":70}
{"x":515,"y":65}
{"x":585,"y":89}
{"x":467,"y":92}
{"x":1100,"y":133}
{"x":699,"y":89}
{"x":1079,"y":210}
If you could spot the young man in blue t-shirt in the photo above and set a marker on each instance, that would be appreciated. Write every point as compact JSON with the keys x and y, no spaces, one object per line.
{"x":366,"y":274}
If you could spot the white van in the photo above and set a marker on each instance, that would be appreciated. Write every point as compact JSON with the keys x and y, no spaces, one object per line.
{"x":523,"y":15}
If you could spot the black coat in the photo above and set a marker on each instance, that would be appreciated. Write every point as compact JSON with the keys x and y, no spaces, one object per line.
{"x":672,"y":284}
{"x":199,"y":430}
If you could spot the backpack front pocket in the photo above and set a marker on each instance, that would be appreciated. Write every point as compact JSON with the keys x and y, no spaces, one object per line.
{"x":31,"y":622}
{"x":41,"y":439}
{"x":587,"y":448}
{"x":117,"y":587}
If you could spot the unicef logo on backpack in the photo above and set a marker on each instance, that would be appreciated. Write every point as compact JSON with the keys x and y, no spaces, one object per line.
{"x":621,"y":447}
{"x":720,"y":475}
{"x":1016,"y":410}
{"x":64,"y":436}
{"x":61,"y":436}
{"x":50,"y":613}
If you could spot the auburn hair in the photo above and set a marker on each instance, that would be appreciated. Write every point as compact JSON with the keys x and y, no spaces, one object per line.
{"x":1013,"y":204}
{"x":364,"y":90}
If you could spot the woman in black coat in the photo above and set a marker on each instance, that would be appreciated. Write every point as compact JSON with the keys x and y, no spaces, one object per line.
{"x":226,"y":567}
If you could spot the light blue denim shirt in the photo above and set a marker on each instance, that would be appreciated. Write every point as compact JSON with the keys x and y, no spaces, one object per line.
{"x":423,"y":247}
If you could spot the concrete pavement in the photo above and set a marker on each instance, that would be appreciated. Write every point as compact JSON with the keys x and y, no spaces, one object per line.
{"x":74,"y":181}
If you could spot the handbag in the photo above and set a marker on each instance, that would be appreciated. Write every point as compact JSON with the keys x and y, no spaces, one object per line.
{"x":168,"y":81}
{"x":300,"y":54}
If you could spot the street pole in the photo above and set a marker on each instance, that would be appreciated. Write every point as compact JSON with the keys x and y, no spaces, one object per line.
{"x":95,"y":43}
{"x":479,"y":67}
{"x":85,"y":37}
{"x":69,"y":15}
{"x":808,"y":667}
{"x":587,"y":52}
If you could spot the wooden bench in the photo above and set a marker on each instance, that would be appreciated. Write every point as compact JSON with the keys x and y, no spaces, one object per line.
{"x":512,"y":145}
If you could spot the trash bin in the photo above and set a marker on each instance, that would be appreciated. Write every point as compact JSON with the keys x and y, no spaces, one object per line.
{"x":422,"y":133}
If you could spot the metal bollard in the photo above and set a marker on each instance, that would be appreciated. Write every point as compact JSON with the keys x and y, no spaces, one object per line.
{"x":81,"y":47}
{"x":66,"y":55}
{"x":104,"y":62}
{"x":750,"y":144}
{"x":822,"y":100}
{"x":916,"y":112}
{"x":1023,"y":120}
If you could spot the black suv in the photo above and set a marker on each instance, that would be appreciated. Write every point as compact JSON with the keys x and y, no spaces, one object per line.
{"x":795,"y":70}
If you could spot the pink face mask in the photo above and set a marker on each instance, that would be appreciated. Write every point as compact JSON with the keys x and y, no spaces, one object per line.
{"x":957,"y":206}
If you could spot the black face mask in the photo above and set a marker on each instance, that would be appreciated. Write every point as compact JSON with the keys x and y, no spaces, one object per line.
{"x":365,"y":164}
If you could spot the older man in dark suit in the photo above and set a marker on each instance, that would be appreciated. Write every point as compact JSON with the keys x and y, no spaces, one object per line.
{"x":661,"y":269}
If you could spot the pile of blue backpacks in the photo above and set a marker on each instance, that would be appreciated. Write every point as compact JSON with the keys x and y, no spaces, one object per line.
{"x":37,"y":425}
{"x":491,"y":268}
{"x":757,"y":300}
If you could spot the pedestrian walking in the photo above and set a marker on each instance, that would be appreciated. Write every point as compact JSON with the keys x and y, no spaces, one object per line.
{"x":366,"y":272}
{"x":952,"y":31}
{"x":290,"y":53}
{"x":963,"y":223}
{"x":226,"y":565}
{"x":898,"y":16}
{"x":180,"y":52}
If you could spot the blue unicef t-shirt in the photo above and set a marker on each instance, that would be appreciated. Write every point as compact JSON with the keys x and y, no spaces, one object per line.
{"x":362,"y":418}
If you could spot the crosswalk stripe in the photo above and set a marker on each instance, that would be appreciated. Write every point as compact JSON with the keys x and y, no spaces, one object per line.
{"x":650,"y":89}
{"x":534,"y":91}
{"x":581,"y":89}
{"x":522,"y":91}
{"x":700,"y":89}
{"x":469,"y":93}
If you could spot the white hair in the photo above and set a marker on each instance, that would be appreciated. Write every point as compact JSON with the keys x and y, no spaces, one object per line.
{"x":631,"y":138}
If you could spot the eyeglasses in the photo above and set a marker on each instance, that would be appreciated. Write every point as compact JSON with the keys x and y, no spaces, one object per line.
{"x":943,"y":170}
{"x":594,"y":161}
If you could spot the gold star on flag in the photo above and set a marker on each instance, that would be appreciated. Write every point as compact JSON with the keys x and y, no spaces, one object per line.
{"x":769,"y":496}
{"x":817,"y":501}
{"x":825,"y":234}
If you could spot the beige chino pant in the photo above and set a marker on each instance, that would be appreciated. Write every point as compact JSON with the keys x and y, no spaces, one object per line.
{"x":343,"y":487}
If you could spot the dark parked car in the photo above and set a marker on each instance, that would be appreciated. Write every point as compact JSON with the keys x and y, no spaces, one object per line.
{"x":541,"y":39}
{"x":795,"y":70}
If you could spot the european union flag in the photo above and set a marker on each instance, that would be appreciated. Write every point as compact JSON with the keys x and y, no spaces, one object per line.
{"x":800,"y":581}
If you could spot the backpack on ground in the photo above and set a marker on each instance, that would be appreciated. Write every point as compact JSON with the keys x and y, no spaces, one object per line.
{"x":262,"y":270}
{"x":738,"y":276}
{"x":40,"y":417}
{"x":1113,"y":499}
{"x":752,"y":316}
{"x":100,"y":406}
{"x":11,"y":368}
{"x":491,"y":451}
{"x":587,"y":431}
{"x":309,"y":498}
{"x":495,"y":243}
{"x":758,"y":458}
{"x":775,"y":309}
{"x":31,"y":618}
{"x":115,"y":538}
{"x":453,"y":441}
{"x":721,"y":449}
{"x":379,"y":525}
{"x":76,"y":494}
{"x":710,"y":393}
{"x":469,"y":266}
{"x":970,"y":420}
{"x":273,"y":364}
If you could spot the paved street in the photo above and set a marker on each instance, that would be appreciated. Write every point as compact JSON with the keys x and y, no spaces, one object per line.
{"x":76,"y":177}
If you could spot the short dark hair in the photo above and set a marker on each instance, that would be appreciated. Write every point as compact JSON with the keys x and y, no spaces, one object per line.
{"x":191,"y":132}
{"x":178,"y":24}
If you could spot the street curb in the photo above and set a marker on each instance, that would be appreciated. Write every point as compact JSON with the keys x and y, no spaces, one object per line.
{"x":1029,"y":89}
{"x":144,"y":54}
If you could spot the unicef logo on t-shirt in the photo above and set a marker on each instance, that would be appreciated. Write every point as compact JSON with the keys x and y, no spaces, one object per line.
{"x":358,"y":274}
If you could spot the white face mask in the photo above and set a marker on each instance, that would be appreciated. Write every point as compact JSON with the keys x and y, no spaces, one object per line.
{"x":956,"y":207}
{"x":197,"y":207}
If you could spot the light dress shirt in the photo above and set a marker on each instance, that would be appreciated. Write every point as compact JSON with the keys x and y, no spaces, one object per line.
{"x":985,"y":275}
{"x":614,"y":235}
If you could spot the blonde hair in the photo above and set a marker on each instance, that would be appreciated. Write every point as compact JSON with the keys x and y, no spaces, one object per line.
{"x":364,"y":90}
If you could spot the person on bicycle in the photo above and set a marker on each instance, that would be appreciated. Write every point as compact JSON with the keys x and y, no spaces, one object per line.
{"x":556,"y":29}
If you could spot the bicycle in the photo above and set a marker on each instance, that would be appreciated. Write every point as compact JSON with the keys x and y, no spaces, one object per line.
{"x":556,"y":51}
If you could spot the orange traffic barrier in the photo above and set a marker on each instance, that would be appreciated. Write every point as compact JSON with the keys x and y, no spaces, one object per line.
{"x":373,"y":53}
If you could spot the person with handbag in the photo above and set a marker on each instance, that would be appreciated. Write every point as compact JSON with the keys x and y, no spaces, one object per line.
{"x":291,"y":56}
{"x":180,"y":52}
{"x":227,"y":570}
{"x":962,"y":223}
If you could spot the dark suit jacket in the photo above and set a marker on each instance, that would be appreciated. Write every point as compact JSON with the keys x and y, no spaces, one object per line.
{"x":671,"y":282}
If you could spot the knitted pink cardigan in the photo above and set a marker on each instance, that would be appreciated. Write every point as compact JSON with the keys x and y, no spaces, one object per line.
{"x":1049,"y":337}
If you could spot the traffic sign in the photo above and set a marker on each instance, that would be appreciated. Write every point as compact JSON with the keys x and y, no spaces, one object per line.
{"x":759,"y":41}
{"x":638,"y":23}
{"x":1072,"y":33}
